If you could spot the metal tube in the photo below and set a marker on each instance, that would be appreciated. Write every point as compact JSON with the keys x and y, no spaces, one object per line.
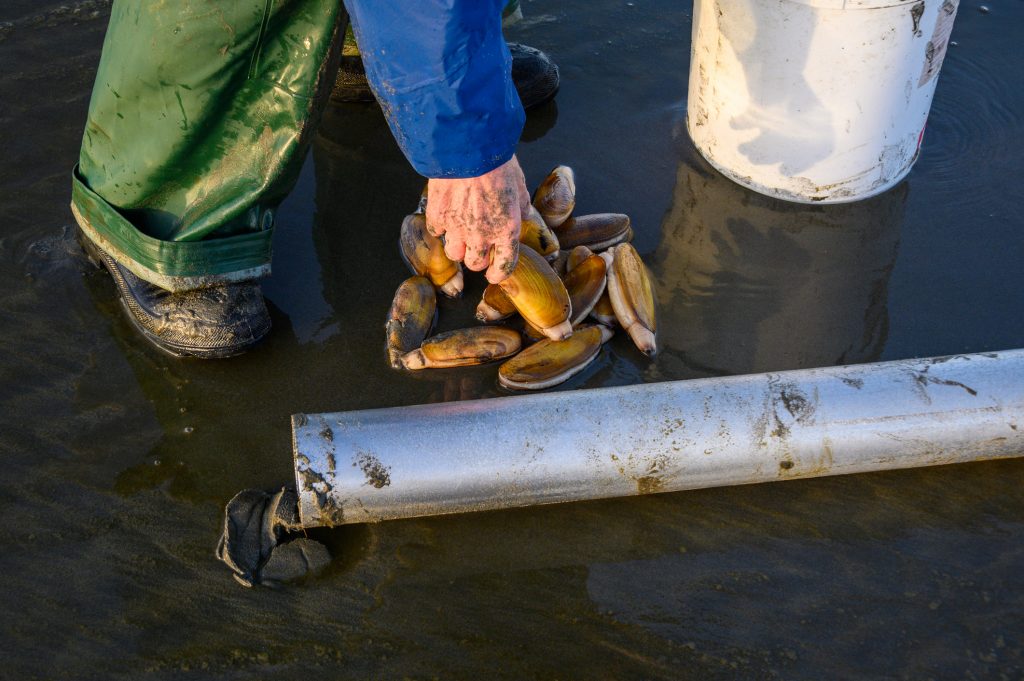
{"x":382,"y":464}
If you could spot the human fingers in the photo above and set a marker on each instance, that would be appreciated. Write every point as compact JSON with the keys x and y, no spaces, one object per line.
{"x":478,"y":253}
{"x":454,"y":247}
{"x":504,"y":256}
{"x":437,"y":203}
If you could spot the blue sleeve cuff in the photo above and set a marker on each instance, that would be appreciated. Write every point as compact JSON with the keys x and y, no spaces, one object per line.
{"x":442,"y":74}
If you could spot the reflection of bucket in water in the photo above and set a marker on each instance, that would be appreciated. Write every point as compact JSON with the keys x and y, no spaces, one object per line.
{"x":747,"y":283}
{"x":815,"y":100}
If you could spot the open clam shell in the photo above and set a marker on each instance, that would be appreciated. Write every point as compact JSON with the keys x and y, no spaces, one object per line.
{"x":424,"y":254}
{"x":464,"y":347}
{"x":539,"y":295}
{"x":598,"y":231}
{"x":548,"y":363}
{"x":412,"y":315}
{"x":629,"y":289}
{"x":555,"y":198}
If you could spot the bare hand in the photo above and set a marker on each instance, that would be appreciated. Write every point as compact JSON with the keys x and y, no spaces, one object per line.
{"x":480,"y":218}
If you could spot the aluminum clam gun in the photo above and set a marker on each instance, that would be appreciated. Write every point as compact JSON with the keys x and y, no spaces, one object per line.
{"x":504,"y":452}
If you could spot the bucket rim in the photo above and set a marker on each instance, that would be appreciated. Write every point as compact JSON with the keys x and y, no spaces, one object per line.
{"x":861,"y":4}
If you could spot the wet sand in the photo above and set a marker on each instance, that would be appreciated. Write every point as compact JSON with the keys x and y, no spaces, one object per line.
{"x":117,"y":460}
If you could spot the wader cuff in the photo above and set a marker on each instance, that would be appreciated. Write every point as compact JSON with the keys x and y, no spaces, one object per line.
{"x":199,"y":121}
{"x":171,"y":265}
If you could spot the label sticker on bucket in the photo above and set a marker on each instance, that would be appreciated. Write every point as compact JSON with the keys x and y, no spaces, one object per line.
{"x":935,"y":51}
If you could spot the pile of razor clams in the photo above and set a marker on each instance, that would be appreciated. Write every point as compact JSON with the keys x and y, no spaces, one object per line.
{"x":577,"y":280}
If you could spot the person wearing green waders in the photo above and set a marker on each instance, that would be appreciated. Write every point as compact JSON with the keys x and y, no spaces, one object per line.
{"x":202,"y":113}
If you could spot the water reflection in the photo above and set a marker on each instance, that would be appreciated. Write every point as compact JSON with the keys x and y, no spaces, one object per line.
{"x":747,"y":283}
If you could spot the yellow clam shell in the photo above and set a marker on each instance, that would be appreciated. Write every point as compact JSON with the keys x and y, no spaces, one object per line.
{"x":598,"y":231}
{"x":424,"y":254}
{"x":555,"y":198}
{"x":494,"y":305}
{"x":410,"y":318}
{"x":535,"y":233}
{"x":603,"y":312}
{"x":532,"y":333}
{"x":629,"y":288}
{"x":585,"y":283}
{"x":576,"y":256}
{"x":548,"y":363}
{"x":464,"y":347}
{"x":539,"y":295}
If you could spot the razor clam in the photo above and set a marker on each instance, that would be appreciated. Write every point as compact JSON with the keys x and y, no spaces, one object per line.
{"x":535,"y":233}
{"x":464,"y":347}
{"x":629,"y":288}
{"x":555,"y":198}
{"x":548,"y":363}
{"x":598,"y":231}
{"x":558,"y":263}
{"x":576,"y":256}
{"x":603,"y":312}
{"x":494,"y":305}
{"x":424,"y":254}
{"x":585,"y":283}
{"x":532,"y":333}
{"x":539,"y":295}
{"x":412,"y":315}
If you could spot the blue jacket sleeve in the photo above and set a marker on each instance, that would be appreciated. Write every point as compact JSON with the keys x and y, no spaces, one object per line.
{"x":442,"y":73}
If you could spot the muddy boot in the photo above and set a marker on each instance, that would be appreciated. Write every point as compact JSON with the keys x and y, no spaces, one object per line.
{"x":351,"y":85}
{"x":534,"y":74}
{"x":218,"y":321}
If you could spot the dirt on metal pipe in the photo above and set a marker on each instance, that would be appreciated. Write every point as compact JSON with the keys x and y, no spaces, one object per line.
{"x":382,"y":464}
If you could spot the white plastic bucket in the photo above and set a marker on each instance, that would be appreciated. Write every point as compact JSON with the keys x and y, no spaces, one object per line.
{"x":815,"y":100}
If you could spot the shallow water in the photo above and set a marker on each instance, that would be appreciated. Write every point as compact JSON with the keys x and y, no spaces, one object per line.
{"x":117,"y":460}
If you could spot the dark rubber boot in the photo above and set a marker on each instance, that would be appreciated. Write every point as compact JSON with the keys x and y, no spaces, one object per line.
{"x":351,"y":85}
{"x":534,"y":74}
{"x":219,"y":321}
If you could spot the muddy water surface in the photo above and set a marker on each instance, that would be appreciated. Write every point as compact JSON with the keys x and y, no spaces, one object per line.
{"x":116,"y":460}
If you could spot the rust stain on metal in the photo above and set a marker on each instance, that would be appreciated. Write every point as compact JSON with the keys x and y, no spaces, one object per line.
{"x":647,"y":473}
{"x":649,"y":484}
